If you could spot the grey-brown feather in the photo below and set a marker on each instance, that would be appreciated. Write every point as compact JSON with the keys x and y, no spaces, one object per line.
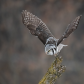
{"x":36,"y":26}
{"x":71,"y":27}
{"x":39,"y":28}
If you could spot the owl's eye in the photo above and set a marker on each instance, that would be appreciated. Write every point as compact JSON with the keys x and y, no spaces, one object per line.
{"x":49,"y":51}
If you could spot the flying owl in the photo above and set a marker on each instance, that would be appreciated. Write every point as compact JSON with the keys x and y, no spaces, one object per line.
{"x":38,"y":28}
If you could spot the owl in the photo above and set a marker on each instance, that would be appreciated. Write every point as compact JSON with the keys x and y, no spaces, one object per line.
{"x":38,"y":28}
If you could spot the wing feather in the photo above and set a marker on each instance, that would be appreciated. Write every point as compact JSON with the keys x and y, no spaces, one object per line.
{"x":36,"y":26}
{"x":71,"y":27}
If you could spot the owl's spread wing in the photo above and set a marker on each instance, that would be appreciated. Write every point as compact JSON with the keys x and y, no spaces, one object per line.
{"x":36,"y":26}
{"x":39,"y":28}
{"x":71,"y":27}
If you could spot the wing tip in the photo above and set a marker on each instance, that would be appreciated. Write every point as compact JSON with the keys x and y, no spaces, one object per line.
{"x":76,"y":21}
{"x":25,"y":12}
{"x":80,"y":15}
{"x":78,"y":18}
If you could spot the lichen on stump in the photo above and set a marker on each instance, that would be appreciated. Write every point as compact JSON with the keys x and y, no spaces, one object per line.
{"x":54,"y":72}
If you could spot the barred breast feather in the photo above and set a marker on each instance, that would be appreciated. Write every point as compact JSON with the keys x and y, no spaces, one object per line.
{"x":36,"y":26}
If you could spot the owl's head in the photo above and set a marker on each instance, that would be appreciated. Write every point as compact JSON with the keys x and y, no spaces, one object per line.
{"x":51,"y":46}
{"x":50,"y":49}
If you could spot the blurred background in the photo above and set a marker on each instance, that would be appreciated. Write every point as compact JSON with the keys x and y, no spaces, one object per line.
{"x":22,"y":56}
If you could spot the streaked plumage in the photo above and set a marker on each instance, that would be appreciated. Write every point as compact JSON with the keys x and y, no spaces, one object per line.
{"x":39,"y":29}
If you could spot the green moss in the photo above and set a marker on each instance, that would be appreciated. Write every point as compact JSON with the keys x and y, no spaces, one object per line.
{"x":54,"y":72}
